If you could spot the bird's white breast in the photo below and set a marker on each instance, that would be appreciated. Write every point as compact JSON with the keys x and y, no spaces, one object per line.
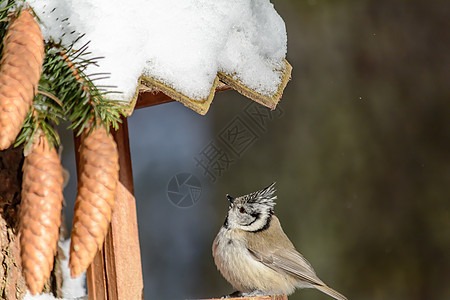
{"x":244,"y":272}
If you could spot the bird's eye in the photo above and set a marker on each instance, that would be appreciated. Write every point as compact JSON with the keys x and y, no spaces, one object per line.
{"x":241,"y":210}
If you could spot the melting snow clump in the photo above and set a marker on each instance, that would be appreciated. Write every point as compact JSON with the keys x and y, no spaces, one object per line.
{"x":182,"y":43}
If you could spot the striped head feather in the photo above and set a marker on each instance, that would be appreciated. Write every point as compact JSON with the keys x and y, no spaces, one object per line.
{"x":252,"y":212}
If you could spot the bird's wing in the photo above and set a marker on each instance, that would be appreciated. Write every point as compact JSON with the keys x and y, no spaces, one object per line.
{"x":293,"y":263}
{"x":288,"y":261}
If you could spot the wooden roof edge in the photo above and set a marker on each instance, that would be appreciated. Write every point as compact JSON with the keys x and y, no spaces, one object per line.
{"x":268,"y":101}
{"x":152,"y":92}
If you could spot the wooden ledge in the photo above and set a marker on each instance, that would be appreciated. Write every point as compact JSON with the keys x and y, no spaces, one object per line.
{"x":271,"y":297}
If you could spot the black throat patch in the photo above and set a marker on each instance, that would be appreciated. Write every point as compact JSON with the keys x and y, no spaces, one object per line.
{"x":225,"y":224}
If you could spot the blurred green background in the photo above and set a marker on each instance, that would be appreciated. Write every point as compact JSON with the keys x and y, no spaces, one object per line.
{"x":360,"y":152}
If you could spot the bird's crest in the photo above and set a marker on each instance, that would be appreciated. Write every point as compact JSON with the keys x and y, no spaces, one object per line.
{"x":265,"y":196}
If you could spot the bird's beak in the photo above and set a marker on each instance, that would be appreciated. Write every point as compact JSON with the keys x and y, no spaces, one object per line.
{"x":231,"y":199}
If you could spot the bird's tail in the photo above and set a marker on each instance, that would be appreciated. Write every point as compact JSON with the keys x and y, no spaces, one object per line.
{"x":329,"y":291}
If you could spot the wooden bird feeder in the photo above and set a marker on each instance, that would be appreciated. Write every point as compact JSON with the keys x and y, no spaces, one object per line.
{"x":116,"y":271}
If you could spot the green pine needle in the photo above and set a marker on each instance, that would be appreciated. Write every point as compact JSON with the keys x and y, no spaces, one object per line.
{"x":44,"y":115}
{"x":83,"y":102}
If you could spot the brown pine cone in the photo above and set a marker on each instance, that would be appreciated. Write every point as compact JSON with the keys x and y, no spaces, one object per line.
{"x":40,"y":212}
{"x":20,"y":71}
{"x":99,"y":166}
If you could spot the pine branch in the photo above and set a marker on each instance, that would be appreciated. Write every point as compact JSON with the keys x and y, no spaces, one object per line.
{"x":45,"y":114}
{"x":83,"y":101}
{"x":5,"y":5}
{"x":63,"y":79}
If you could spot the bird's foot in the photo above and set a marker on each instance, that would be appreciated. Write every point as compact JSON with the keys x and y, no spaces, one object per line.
{"x":232,"y":295}
{"x":235,"y":294}
{"x":253,"y":294}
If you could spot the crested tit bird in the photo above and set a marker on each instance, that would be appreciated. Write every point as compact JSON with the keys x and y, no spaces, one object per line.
{"x":254,"y":254}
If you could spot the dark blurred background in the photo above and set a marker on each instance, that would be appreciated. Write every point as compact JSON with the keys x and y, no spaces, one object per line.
{"x":359,"y":149}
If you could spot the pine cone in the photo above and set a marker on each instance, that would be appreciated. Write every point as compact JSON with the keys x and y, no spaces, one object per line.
{"x":99,"y":163}
{"x":40,"y":212}
{"x":20,"y":71}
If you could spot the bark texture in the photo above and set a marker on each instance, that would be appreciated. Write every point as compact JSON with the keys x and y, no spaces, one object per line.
{"x":12,"y":281}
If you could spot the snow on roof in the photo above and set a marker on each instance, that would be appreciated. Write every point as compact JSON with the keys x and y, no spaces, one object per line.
{"x":182,"y":44}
